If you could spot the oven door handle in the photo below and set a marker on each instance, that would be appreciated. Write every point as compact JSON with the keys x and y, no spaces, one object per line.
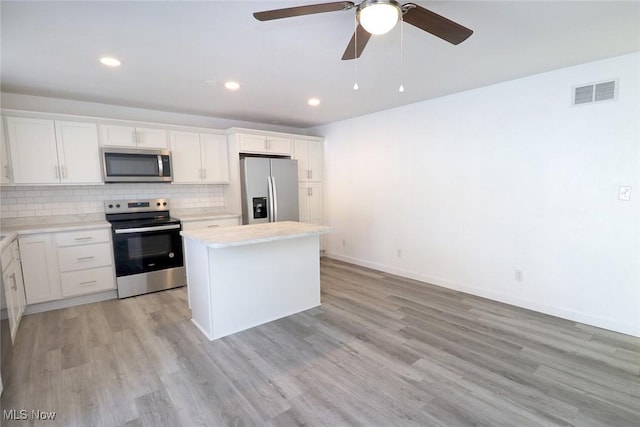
{"x":145,"y":229}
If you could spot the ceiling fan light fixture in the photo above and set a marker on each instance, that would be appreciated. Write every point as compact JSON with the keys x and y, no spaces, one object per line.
{"x":378,"y":16}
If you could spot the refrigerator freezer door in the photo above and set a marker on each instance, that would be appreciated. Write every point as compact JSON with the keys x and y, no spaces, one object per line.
{"x":255,"y":190}
{"x":284,"y":175}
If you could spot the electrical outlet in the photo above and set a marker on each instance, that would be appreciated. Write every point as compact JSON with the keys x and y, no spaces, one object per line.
{"x":519,"y":275}
{"x":624,"y":193}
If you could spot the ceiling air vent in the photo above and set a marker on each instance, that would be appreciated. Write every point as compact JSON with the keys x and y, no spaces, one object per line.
{"x":605,"y":91}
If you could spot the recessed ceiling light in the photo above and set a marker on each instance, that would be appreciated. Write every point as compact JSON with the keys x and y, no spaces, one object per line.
{"x":314,"y":102}
{"x":110,"y":62}
{"x":231,"y":85}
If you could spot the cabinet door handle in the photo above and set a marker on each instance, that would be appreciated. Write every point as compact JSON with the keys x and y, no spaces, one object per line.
{"x":213,"y":226}
{"x":84,"y":258}
{"x":90,"y":282}
{"x":14,"y":286}
{"x":83,"y":238}
{"x":6,"y":171}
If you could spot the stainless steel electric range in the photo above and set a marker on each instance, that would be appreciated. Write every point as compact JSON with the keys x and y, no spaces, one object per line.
{"x":147,"y":246}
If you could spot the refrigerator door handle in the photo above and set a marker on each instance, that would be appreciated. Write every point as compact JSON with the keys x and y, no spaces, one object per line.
{"x":275,"y":199}
{"x":270,"y":201}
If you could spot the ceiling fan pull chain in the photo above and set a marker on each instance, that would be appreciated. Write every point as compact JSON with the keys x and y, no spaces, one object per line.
{"x":401,"y":88}
{"x":355,"y":51}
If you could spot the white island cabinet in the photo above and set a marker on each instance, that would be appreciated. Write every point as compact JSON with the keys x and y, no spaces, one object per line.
{"x":245,"y":276}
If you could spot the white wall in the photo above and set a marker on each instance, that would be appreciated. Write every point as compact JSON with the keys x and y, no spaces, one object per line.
{"x":474,"y":186}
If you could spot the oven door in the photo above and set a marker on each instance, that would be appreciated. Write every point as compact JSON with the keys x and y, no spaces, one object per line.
{"x":145,"y":249}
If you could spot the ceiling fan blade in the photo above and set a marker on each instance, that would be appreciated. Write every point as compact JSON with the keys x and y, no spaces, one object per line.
{"x":302,"y":10}
{"x":435,"y":24}
{"x":351,"y":52}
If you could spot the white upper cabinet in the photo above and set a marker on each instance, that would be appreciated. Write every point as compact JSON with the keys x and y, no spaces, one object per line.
{"x":251,"y":143}
{"x":78,"y":152}
{"x":215,"y":158}
{"x":309,"y":156}
{"x":53,"y":152}
{"x":133,"y":137}
{"x":5,"y":172}
{"x":34,"y":157}
{"x":199,"y":158}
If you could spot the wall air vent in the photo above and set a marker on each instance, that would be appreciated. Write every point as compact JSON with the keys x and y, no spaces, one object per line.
{"x":596,"y":92}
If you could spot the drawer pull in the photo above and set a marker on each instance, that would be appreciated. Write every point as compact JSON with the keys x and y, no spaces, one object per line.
{"x":83,"y":238}
{"x":214,"y":225}
{"x":90,"y":282}
{"x":84,"y":258}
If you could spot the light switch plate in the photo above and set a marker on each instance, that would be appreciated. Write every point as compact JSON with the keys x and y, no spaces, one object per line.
{"x":624,"y":193}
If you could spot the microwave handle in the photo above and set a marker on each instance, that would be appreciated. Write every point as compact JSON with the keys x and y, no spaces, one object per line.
{"x":160,"y":167}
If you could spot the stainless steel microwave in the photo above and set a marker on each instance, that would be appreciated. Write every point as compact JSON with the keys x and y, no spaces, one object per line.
{"x":136,"y":165}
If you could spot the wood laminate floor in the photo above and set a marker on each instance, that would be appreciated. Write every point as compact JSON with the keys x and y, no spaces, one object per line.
{"x":380,"y":351}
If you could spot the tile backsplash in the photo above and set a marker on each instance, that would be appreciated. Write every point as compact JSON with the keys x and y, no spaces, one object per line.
{"x":24,"y":202}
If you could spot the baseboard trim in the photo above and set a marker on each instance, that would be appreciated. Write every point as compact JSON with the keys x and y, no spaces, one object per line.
{"x":562,"y":312}
{"x":70,"y":302}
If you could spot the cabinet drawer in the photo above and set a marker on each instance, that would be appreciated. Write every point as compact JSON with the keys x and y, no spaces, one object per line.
{"x":83,"y":237}
{"x":84,"y":257}
{"x":210,"y":223}
{"x":87,"y":281}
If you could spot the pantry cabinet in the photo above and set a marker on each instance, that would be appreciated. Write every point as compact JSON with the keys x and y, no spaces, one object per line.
{"x":133,"y":137}
{"x":53,"y":152}
{"x":264,"y":144}
{"x":309,"y":156}
{"x":13,"y":286}
{"x":199,"y":158}
{"x":310,"y":201}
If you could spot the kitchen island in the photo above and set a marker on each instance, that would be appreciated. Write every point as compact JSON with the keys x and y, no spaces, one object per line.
{"x":243,"y":276}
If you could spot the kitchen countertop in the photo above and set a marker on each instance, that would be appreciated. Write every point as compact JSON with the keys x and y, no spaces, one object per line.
{"x":199,"y":214}
{"x":255,"y":233}
{"x":52,"y":224}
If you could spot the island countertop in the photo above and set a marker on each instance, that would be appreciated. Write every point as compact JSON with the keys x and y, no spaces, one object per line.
{"x":255,"y":233}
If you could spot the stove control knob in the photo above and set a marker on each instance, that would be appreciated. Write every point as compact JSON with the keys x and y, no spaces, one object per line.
{"x":164,"y":203}
{"x":158,"y":204}
{"x":118,"y":205}
{"x":110,"y":206}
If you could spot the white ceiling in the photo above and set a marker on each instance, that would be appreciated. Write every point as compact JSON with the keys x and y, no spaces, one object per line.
{"x":169,"y":49}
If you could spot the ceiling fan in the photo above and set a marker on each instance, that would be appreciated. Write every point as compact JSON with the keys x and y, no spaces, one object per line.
{"x":378,"y":17}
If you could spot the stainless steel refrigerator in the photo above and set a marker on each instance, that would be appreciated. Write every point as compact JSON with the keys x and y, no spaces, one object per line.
{"x":269,"y":190}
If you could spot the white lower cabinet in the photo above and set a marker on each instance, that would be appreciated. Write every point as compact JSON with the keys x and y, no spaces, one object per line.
{"x":40,"y":268}
{"x":209,"y":223}
{"x":67,"y":264}
{"x":83,"y":257}
{"x":86,"y":281}
{"x":13,"y":287}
